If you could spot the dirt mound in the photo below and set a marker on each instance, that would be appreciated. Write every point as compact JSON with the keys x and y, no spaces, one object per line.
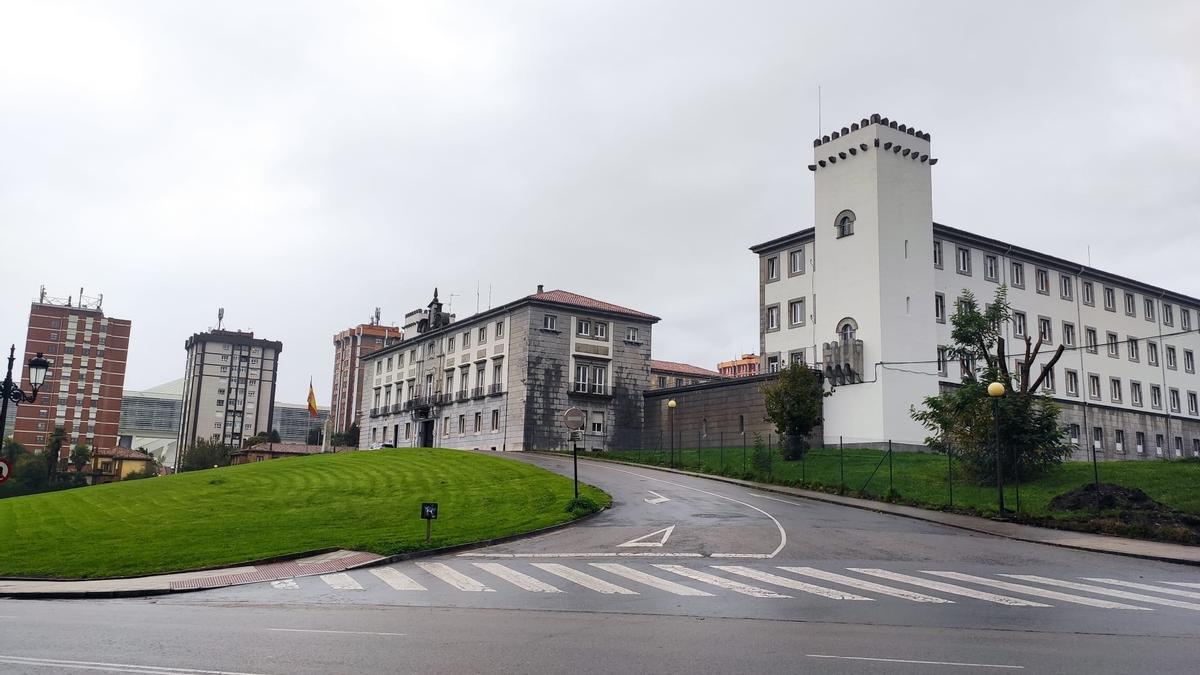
{"x":1111,"y":497}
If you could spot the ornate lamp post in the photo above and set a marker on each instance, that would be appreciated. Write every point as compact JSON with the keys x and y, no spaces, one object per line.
{"x":995,"y":390}
{"x":11,"y":391}
{"x":671,"y":428}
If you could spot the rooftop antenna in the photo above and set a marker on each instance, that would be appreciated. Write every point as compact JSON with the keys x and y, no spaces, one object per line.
{"x":489,"y":296}
{"x":1089,"y":255}
{"x":476,"y":296}
{"x":450,"y":302}
{"x":220,"y":317}
{"x":819,"y":127}
{"x":375,"y":321}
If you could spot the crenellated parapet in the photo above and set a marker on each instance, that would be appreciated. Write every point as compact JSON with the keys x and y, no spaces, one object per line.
{"x":916,"y":149}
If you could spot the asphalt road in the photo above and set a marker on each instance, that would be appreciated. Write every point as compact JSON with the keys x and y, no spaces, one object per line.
{"x":682,"y":575}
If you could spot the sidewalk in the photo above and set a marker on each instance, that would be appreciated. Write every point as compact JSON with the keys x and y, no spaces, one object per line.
{"x":1097,"y":543}
{"x":325,"y":563}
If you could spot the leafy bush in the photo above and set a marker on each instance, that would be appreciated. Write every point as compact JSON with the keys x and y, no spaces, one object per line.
{"x":582,"y":506}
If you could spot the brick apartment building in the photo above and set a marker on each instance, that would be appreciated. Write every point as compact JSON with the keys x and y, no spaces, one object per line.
{"x":83,"y":388}
{"x":747,"y":366}
{"x":349,"y":346}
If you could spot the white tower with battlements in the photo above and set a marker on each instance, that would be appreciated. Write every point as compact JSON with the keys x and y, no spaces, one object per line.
{"x":873,"y":287}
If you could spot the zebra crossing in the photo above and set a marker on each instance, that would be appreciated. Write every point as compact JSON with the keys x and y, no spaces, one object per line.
{"x":776,"y":583}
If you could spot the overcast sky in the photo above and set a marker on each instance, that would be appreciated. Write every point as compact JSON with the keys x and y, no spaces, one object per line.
{"x":300,"y":164}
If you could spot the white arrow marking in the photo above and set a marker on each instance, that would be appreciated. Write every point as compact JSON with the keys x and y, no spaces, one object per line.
{"x":658,"y":498}
{"x":665,"y":532}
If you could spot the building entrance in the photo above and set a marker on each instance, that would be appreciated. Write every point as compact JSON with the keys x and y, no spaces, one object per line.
{"x":426,"y":433}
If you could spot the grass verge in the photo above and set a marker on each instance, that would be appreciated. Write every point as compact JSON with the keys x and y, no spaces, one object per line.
{"x":367,"y":501}
{"x":923,"y":479}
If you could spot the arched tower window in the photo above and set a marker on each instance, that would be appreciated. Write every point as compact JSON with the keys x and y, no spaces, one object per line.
{"x":844,"y":224}
{"x":847,"y":329}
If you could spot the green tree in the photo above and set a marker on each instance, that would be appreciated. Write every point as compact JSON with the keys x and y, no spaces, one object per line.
{"x":794,"y":403}
{"x":81,"y":454}
{"x":963,"y":420}
{"x":53,"y":449}
{"x":13,"y":449}
{"x":314,"y":436}
{"x":205,"y":455}
{"x":29,"y":475}
{"x":348,"y":439}
{"x":273,"y":436}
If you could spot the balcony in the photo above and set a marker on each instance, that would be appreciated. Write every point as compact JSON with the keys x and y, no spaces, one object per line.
{"x":590,"y":388}
{"x":461,"y":395}
{"x":445,"y":398}
{"x":396,"y":407}
{"x":495,"y":389}
{"x":409,"y":404}
{"x":477,"y":392}
{"x":374,"y":412}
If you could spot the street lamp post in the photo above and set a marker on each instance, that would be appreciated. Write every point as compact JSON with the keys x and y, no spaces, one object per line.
{"x":671,"y":428}
{"x":11,"y":391}
{"x":995,"y":390}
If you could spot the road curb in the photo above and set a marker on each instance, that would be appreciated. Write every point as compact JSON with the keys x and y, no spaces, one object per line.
{"x":139,"y":593}
{"x":878,"y":507}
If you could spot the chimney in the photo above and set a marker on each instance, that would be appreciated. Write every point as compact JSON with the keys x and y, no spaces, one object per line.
{"x":540,"y":291}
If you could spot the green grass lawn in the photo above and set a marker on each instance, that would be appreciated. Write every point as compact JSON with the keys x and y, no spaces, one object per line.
{"x":368,"y":501}
{"x":922,"y":478}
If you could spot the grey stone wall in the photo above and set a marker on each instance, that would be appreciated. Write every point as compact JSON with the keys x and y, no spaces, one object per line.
{"x":729,"y":411}
{"x":548,"y":387}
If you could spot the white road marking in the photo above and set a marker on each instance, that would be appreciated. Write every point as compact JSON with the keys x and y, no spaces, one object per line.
{"x":522,"y":581}
{"x":335,"y":632}
{"x":865,"y":585}
{"x":1182,"y":583}
{"x":923,"y":663}
{"x":286,"y":585}
{"x":648,"y":579}
{"x":1146,"y":587}
{"x":341,"y":581}
{"x":719,"y":582}
{"x":396,"y":579}
{"x":1100,"y":590}
{"x":111,"y":667}
{"x":782,"y":532}
{"x":1035,"y":591}
{"x":758,"y":556}
{"x":948,"y":588}
{"x":641,"y":541}
{"x":658,"y":499}
{"x":622,"y":554}
{"x":453,"y":577}
{"x":759,"y":575}
{"x":583,"y":579}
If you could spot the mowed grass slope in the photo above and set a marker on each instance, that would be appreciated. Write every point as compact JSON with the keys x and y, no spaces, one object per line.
{"x":368,"y":501}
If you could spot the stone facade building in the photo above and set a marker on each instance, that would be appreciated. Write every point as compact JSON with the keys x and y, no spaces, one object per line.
{"x":501,"y":379}
{"x":873,"y":310}
{"x":665,"y":374}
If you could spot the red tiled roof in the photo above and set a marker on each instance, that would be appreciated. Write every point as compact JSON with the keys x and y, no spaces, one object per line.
{"x":574,"y":299}
{"x":122,"y":453}
{"x":682,"y":368}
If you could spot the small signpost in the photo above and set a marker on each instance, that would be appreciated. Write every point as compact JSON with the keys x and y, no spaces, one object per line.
{"x":428,"y":514}
{"x":4,"y":470}
{"x":573,"y":420}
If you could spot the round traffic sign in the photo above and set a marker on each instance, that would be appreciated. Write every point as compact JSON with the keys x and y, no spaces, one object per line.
{"x":573,"y":419}
{"x":4,"y":470}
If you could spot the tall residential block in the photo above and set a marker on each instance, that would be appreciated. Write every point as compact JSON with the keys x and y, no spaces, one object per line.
{"x":349,"y":346}
{"x":228,"y":387}
{"x":82,"y":391}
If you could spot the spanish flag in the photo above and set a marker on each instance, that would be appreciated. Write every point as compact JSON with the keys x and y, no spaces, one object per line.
{"x":312,"y":400}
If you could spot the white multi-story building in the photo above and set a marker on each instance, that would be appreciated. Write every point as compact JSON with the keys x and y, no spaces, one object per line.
{"x":228,"y":387}
{"x":873,"y":310}
{"x":501,"y":379}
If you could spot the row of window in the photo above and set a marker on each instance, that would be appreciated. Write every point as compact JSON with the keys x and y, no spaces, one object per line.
{"x":1066,"y":287}
{"x":795,"y":259}
{"x":1113,"y":342}
{"x":1095,"y":391}
{"x":587,"y":328}
{"x":464,"y":383}
{"x":1139,"y":442}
